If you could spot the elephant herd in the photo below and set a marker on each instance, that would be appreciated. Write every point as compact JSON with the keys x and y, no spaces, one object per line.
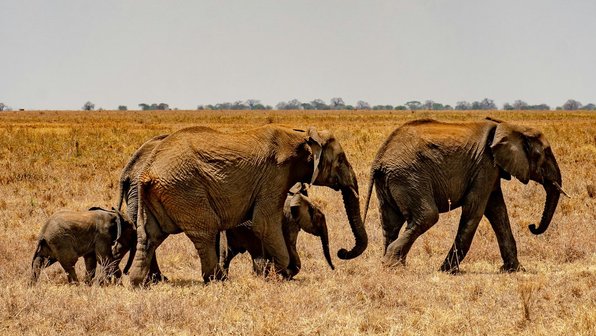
{"x":252,"y":186}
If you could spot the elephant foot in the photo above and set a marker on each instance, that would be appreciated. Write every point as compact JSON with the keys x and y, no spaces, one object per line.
{"x":450,"y":269}
{"x":156,"y":278}
{"x":393,"y":261}
{"x":218,"y":275}
{"x":512,"y":268}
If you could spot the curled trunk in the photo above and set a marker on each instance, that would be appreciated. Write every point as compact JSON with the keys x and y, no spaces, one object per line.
{"x":325,"y":243}
{"x":552,"y":199}
{"x":551,"y":180}
{"x":352,"y":205}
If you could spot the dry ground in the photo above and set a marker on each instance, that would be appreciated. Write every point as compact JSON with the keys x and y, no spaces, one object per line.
{"x":51,"y":160}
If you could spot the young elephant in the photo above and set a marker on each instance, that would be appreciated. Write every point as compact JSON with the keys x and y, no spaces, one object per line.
{"x":68,"y":235}
{"x":299,"y":213}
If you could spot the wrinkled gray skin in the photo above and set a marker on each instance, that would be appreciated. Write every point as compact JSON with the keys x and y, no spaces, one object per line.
{"x":427,"y":167}
{"x":129,"y":194}
{"x":203,"y":182}
{"x":299,"y":213}
{"x":96,"y":235}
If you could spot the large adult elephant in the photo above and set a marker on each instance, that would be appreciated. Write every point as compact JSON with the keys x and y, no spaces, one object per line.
{"x":201,"y":183}
{"x":427,"y":167}
{"x":129,"y":195}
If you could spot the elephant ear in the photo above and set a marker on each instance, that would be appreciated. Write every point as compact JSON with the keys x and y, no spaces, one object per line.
{"x":316,"y":144}
{"x":509,"y":151}
{"x":118,"y":224}
{"x":302,"y":212}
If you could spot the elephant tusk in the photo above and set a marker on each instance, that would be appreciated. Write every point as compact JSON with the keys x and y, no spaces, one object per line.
{"x":354,"y":192}
{"x":560,"y":189}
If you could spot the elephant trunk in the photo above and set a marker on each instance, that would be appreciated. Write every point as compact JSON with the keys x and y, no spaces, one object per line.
{"x":552,"y":186}
{"x":131,"y":257}
{"x":352,"y":205}
{"x":325,"y":243}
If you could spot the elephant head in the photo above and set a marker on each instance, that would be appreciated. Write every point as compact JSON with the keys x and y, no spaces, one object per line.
{"x":332,"y":169}
{"x":125,"y":239}
{"x":307,"y":216}
{"x":526,"y":154}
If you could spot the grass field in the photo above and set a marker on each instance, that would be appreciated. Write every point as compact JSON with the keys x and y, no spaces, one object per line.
{"x":51,"y":160}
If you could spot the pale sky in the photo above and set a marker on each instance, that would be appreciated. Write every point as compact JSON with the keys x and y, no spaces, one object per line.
{"x":60,"y":54}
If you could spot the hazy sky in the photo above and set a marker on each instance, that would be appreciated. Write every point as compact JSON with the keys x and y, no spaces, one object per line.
{"x":59,"y":54}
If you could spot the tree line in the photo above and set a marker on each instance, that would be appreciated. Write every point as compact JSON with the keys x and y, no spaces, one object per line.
{"x":338,"y":103}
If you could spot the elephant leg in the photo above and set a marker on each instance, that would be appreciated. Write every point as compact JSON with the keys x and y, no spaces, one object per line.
{"x":205,"y":245}
{"x":267,"y":226}
{"x":154,"y":271}
{"x":468,"y":223}
{"x":111,"y":269}
{"x":391,"y":220}
{"x":90,"y":266}
{"x":68,"y":266}
{"x":496,"y":212}
{"x":149,"y":237}
{"x":397,"y":251}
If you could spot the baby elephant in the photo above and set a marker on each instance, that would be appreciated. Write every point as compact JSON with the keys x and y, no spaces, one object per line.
{"x":97,"y":235}
{"x":299,"y":213}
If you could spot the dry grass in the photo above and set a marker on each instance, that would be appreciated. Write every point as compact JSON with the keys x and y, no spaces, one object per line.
{"x":50,"y":160}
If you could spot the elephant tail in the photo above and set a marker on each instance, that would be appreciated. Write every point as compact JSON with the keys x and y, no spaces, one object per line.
{"x":371,"y":183}
{"x":39,"y":261}
{"x":124,"y":188}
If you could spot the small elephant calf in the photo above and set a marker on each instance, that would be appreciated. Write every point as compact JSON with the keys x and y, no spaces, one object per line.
{"x":96,"y":235}
{"x":299,"y":213}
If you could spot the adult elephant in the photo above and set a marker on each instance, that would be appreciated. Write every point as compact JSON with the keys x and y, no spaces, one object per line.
{"x":129,"y":195}
{"x":200,"y":183}
{"x":427,"y":167}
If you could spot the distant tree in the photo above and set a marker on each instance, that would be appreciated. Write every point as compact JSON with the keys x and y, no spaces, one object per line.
{"x":239,"y":105}
{"x":3,"y":107}
{"x":520,"y":105}
{"x":571,"y":104}
{"x":251,"y":103}
{"x":337,"y":103}
{"x":89,"y":106}
{"x":144,"y":106}
{"x":413,"y":105}
{"x":163,"y":107}
{"x":306,"y":106}
{"x":542,"y":107}
{"x":122,"y":108}
{"x":400,"y":108}
{"x":223,"y":106}
{"x":294,"y":104}
{"x":508,"y":107}
{"x":590,"y":107}
{"x":463,"y":105}
{"x":319,"y":104}
{"x":362,"y":105}
{"x":484,"y":104}
{"x":427,"y":105}
{"x":382,"y":107}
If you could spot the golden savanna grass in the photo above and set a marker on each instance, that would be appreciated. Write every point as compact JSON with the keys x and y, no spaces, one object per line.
{"x":51,"y":160}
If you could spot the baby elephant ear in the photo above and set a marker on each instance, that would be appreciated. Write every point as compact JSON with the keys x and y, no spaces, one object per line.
{"x":297,"y":188}
{"x":509,"y":151}
{"x":118,"y":224}
{"x":316,"y":144}
{"x":296,"y":201}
